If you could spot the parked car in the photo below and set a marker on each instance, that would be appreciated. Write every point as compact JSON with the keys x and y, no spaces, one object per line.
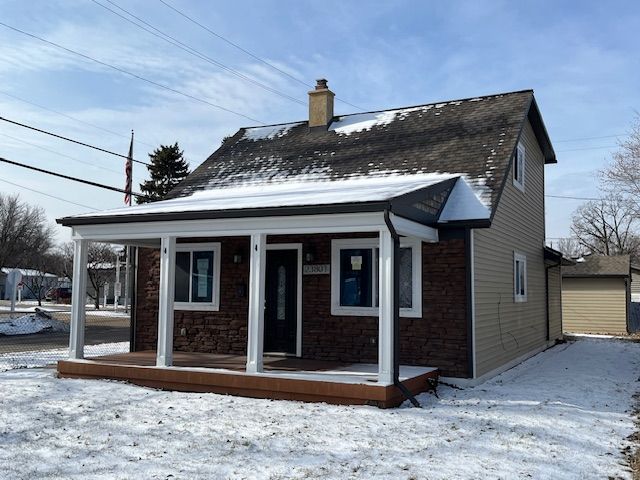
{"x":60,"y":294}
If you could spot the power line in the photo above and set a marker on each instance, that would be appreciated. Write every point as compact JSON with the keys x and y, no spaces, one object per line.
{"x":588,"y":148}
{"x":572,"y":198}
{"x":252,"y":55}
{"x":74,"y":118}
{"x":61,"y":154}
{"x":131,"y":74}
{"x":590,"y":138}
{"x":48,"y":195}
{"x":67,"y":177}
{"x":235,"y":45}
{"x":192,"y":51}
{"x":71,"y":140}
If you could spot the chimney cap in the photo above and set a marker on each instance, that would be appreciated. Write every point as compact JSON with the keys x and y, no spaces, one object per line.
{"x":321,"y":84}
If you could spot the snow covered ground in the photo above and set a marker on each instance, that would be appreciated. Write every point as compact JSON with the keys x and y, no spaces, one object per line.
{"x":42,"y":358}
{"x":562,"y":414}
{"x":29,"y":324}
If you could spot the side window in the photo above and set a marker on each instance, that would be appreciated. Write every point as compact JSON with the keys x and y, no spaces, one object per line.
{"x":519,"y":166}
{"x":519,"y":278}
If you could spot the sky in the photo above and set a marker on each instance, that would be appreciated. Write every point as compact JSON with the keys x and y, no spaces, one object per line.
{"x":582,"y":63}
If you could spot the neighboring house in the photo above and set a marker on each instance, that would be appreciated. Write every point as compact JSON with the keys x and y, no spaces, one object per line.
{"x":284,"y":241}
{"x":596,"y":295}
{"x":30,"y":277}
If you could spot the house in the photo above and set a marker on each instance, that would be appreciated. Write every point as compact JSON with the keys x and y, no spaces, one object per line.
{"x":342,"y":258}
{"x":596,"y":295}
{"x":33,"y":282}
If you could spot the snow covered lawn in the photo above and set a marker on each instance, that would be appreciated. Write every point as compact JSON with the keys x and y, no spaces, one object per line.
{"x":563,"y":414}
{"x":42,"y":358}
{"x":32,"y":323}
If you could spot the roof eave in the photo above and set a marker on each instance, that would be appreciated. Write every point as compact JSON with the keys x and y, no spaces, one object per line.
{"x":236,"y":213}
{"x":535,"y":118}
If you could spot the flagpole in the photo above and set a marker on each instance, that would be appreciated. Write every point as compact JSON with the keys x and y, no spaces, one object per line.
{"x":129,"y":181}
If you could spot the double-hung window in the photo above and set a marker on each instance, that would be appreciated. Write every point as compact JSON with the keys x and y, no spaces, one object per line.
{"x":355,"y":277}
{"x":197,"y":280}
{"x":519,"y":166}
{"x":519,"y":278}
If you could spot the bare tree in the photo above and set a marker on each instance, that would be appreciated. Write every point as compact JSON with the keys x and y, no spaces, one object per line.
{"x":607,"y":227}
{"x":569,"y":246}
{"x":623,"y":173}
{"x":25,"y":233}
{"x":101,"y":258}
{"x":42,"y":276}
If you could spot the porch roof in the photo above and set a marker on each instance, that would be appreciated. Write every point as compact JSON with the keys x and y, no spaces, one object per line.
{"x":427,"y":198}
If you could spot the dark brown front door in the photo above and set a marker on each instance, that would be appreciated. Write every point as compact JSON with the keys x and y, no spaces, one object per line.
{"x":281,"y":308}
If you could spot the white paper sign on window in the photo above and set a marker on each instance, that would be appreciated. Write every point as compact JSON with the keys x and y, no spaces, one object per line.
{"x":203,"y":272}
{"x":356,"y":262}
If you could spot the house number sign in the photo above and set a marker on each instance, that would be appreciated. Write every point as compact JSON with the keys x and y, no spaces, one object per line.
{"x":316,"y":269}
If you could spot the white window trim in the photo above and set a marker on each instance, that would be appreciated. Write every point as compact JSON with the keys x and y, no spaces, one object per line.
{"x":214,"y":305}
{"x":416,"y":271}
{"x":522,"y":168}
{"x":517,"y":297}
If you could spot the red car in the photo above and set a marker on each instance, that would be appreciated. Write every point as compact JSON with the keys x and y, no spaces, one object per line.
{"x":58,"y":294}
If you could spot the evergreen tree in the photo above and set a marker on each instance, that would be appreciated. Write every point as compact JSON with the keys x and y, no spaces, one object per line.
{"x":168,"y":168}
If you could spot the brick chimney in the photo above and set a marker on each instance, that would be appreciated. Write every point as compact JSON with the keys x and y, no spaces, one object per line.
{"x":320,"y":106}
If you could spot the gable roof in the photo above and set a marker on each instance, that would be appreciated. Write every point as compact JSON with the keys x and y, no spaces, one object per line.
{"x":451,"y":153}
{"x":600,"y":266}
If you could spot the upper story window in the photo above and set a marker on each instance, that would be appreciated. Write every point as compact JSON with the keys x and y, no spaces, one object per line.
{"x":197,"y":279}
{"x":519,"y":166}
{"x":354,"y":277}
{"x":519,"y":277}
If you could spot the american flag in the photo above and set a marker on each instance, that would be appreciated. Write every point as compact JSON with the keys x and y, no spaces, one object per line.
{"x":128,"y":166}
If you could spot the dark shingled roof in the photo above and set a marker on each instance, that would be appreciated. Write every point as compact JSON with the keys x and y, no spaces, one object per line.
{"x":475,"y":137}
{"x":600,"y":266}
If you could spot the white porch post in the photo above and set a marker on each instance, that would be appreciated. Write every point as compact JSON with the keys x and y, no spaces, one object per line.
{"x":78,"y":300}
{"x":164,"y":354}
{"x":386,"y":309}
{"x":255,"y":331}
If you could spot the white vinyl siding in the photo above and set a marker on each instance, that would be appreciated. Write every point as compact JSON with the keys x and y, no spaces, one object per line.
{"x":504,"y":329}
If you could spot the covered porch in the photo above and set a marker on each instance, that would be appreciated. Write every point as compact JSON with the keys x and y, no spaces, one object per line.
{"x":256,"y":374}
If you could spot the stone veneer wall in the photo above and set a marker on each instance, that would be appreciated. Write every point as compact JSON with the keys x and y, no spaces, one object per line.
{"x":437,"y":339}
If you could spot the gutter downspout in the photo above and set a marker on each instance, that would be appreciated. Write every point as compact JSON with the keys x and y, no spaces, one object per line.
{"x":396,"y":312}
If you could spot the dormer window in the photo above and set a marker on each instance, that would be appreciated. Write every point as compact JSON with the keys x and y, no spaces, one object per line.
{"x":519,"y":167}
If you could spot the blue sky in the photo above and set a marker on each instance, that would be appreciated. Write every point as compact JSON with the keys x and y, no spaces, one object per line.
{"x":581,"y":58}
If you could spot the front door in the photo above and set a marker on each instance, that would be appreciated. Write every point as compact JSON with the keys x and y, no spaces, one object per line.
{"x":281,"y":305}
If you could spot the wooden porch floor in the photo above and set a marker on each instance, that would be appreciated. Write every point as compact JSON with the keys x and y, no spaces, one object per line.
{"x":236,"y":363}
{"x":285,"y":378}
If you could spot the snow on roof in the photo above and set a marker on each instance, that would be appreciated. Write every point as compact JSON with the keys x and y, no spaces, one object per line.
{"x":293,"y":192}
{"x":349,"y":124}
{"x":269,"y":132}
{"x":26,"y":272}
{"x":465,"y":203}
